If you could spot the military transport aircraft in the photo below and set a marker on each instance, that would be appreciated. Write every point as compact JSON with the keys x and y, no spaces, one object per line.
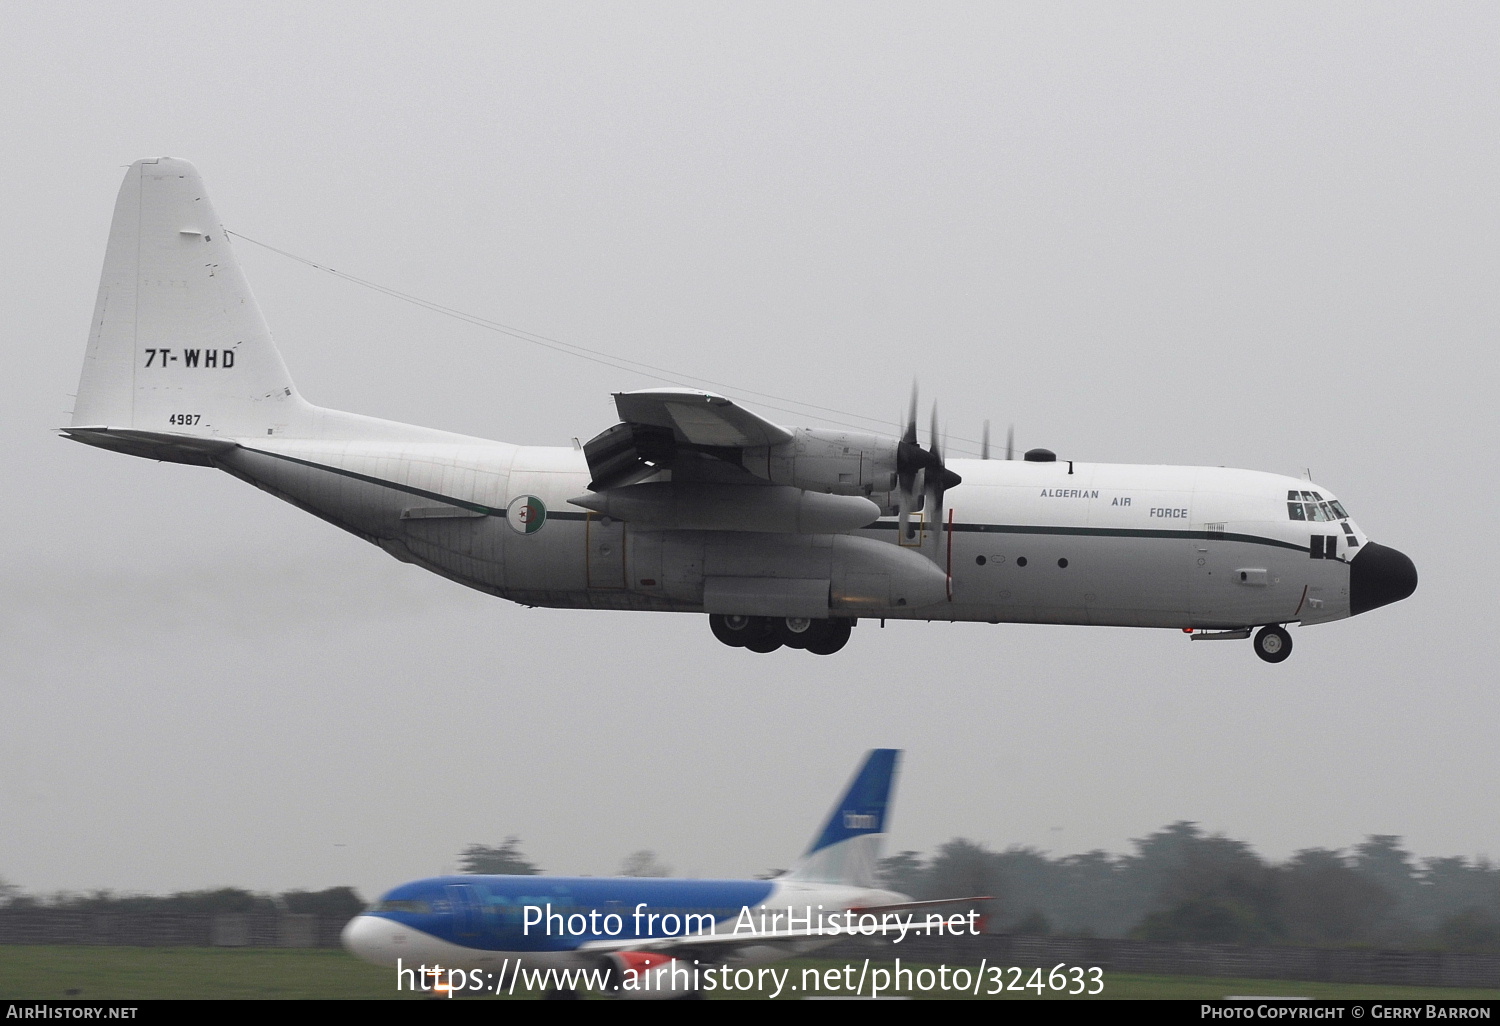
{"x":692,"y":503}
{"x":645,"y":938}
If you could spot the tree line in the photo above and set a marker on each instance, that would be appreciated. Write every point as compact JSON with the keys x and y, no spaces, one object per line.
{"x":1178,"y":884}
{"x":332,"y":903}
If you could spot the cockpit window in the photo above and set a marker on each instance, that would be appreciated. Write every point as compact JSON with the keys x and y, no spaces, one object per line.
{"x":403,"y":906}
{"x":1312,"y":506}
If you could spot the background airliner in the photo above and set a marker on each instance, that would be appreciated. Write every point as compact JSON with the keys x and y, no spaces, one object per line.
{"x":482,"y":923}
{"x":694,"y":504}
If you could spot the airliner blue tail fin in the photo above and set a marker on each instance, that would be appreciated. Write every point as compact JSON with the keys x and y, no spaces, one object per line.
{"x":847,"y":849}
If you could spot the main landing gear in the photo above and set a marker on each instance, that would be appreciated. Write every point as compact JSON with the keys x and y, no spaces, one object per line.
{"x":1273,"y":644}
{"x":767,"y":634}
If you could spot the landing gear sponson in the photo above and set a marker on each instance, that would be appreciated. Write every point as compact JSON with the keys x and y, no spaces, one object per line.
{"x":767,"y":634}
{"x":1272,"y":642}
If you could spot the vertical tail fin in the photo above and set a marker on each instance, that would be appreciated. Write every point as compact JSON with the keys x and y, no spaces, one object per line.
{"x":178,"y":343}
{"x":847,"y":849}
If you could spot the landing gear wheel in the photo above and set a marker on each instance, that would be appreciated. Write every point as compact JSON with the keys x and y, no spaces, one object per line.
{"x":733,"y":631}
{"x":1273,"y":644}
{"x":765,"y":635}
{"x":825,"y":637}
{"x":794,"y":631}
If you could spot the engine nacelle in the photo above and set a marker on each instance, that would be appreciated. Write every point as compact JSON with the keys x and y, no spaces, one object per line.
{"x":651,"y":975}
{"x":837,"y":462}
{"x":698,"y":506}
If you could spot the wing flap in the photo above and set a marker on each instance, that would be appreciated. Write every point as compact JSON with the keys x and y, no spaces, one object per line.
{"x":699,"y":418}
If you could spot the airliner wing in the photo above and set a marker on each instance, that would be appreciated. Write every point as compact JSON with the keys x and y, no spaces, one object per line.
{"x":906,"y":905}
{"x":833,"y":926}
{"x":721,"y":945}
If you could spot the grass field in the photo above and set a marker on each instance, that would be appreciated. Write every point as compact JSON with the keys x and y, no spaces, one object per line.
{"x":118,"y":973}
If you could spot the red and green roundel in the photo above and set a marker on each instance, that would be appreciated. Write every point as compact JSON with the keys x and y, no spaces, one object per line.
{"x":526,"y":514}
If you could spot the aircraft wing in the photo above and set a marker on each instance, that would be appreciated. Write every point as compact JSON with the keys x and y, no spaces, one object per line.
{"x":715,"y":945}
{"x":658,"y":425}
{"x":906,"y":905}
{"x":699,"y":418}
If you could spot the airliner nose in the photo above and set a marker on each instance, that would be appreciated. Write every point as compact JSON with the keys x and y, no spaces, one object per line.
{"x":1378,"y":576}
{"x":371,"y":937}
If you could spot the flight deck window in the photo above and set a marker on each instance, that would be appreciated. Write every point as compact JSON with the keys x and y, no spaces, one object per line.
{"x":1312,"y":506}
{"x":403,"y":906}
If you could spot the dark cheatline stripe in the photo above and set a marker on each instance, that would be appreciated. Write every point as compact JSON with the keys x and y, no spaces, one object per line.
{"x":879,"y":525}
{"x":1099,"y":532}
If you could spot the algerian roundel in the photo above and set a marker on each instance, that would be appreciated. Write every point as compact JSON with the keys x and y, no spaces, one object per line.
{"x":526,"y":514}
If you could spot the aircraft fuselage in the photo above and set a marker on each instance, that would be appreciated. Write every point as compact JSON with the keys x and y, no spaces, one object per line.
{"x":1059,"y":542}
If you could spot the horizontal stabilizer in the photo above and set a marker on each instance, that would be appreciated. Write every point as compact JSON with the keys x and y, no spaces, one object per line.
{"x":153,"y":445}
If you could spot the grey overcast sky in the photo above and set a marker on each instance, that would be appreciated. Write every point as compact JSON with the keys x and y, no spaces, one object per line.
{"x":1257,"y":235}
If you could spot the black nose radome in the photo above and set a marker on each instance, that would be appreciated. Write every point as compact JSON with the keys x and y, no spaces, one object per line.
{"x":1379,"y":576}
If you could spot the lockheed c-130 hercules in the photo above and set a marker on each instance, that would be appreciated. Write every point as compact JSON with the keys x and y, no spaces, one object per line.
{"x":783,"y":536}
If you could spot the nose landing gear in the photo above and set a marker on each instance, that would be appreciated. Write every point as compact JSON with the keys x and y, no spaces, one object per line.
{"x":767,"y":634}
{"x":1273,"y":643}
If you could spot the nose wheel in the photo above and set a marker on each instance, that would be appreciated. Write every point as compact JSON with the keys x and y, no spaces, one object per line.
{"x":1273,"y":644}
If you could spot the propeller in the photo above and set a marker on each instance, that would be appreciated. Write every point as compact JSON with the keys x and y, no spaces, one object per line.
{"x":909,"y":457}
{"x":939,"y":477}
{"x":1010,"y":442}
{"x":921,"y":471}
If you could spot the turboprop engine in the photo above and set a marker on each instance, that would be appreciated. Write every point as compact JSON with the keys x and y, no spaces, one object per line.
{"x":835,"y":462}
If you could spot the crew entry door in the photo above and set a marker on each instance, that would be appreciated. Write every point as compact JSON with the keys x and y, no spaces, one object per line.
{"x":605,"y":538}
